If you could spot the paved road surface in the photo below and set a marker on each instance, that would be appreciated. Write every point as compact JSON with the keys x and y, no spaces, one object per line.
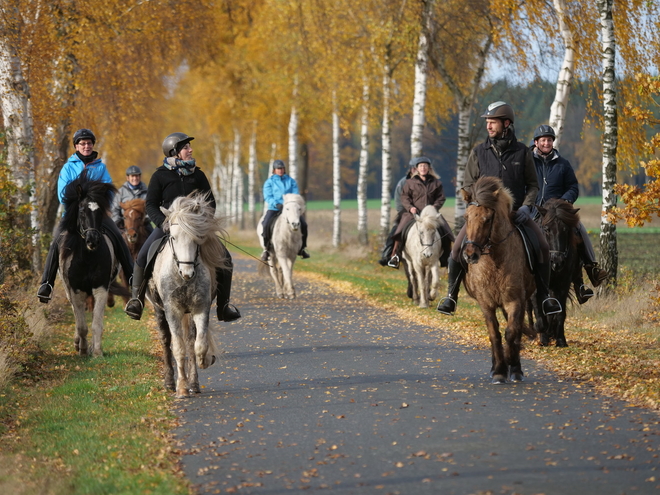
{"x":329,"y":394}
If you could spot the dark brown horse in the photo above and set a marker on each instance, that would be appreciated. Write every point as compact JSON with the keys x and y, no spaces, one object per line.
{"x":498,"y":275}
{"x":558,"y":221}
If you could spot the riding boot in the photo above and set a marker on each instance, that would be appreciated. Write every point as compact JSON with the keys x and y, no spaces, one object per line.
{"x":454,"y":278}
{"x":548,"y":304}
{"x":225,"y":311}
{"x":595,"y":273}
{"x":135,"y":305}
{"x":582,"y":292}
{"x":45,"y":291}
{"x":395,"y":260}
{"x":303,"y":250}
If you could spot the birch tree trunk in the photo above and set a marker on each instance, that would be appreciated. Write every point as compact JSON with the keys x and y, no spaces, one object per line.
{"x":363,"y":234}
{"x":17,"y":121}
{"x":386,"y":145}
{"x":565,"y":77}
{"x":421,"y":72}
{"x":608,"y":239}
{"x":217,"y":176}
{"x":336,"y":174}
{"x":237,"y":182}
{"x":293,"y":135}
{"x":464,"y":109}
{"x":252,"y":165}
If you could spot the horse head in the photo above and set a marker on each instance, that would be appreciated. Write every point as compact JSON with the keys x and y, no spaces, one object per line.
{"x":292,"y":210}
{"x":90,"y":217}
{"x":486,"y":217}
{"x":558,"y":221}
{"x":133,"y":211}
{"x":427,"y":224}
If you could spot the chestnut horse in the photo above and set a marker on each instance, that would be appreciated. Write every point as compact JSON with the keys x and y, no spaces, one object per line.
{"x":559,"y":221}
{"x":498,"y":275}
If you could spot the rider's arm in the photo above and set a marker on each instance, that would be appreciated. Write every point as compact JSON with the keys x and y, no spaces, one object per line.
{"x":531,"y":180}
{"x":154,"y":200}
{"x":570,"y":186}
{"x":439,"y":196}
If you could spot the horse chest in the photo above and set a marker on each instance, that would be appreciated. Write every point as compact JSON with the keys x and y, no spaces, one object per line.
{"x":89,"y":269}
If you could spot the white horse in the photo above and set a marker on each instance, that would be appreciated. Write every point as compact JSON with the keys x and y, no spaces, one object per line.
{"x":183,"y":286}
{"x":422,"y":252}
{"x":286,"y":243}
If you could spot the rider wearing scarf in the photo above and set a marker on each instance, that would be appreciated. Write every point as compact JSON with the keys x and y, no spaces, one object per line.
{"x":177,"y":176}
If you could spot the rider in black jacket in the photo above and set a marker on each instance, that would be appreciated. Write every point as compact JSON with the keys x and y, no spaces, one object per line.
{"x":557,"y":180}
{"x":178,"y":176}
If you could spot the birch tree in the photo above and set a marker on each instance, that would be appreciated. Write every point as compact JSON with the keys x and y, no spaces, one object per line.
{"x":293,"y":134}
{"x":421,"y":71}
{"x":336,"y":174}
{"x":608,"y":237}
{"x":252,"y":165}
{"x":363,"y":234}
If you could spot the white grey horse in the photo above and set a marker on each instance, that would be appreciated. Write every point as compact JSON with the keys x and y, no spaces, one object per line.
{"x":182,"y":289}
{"x":286,"y":242}
{"x":422,"y":254}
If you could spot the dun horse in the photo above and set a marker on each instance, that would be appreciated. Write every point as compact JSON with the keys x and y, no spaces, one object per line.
{"x":559,"y":221}
{"x":422,"y":252}
{"x":182,"y":289}
{"x":498,"y":276}
{"x":286,"y":242}
{"x":87,"y":260}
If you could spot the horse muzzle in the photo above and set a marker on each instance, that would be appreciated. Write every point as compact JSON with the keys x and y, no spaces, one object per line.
{"x":92,"y":240}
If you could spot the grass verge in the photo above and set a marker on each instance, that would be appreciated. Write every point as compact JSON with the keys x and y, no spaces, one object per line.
{"x":91,"y":426}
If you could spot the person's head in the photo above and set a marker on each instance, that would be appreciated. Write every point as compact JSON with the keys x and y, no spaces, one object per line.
{"x":279,"y":168}
{"x":84,"y":141}
{"x":544,"y":139}
{"x":422,"y":165}
{"x":134,"y":175}
{"x":178,"y":144}
{"x":499,"y":116}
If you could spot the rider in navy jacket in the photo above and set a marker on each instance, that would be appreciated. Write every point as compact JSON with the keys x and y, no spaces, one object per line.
{"x":557,"y":180}
{"x":275,"y":187}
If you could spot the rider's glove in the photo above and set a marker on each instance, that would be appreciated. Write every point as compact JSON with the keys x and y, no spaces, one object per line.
{"x":278,"y":206}
{"x":523,"y":214}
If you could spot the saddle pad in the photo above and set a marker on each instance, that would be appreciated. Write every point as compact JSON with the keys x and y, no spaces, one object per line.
{"x":406,"y":229}
{"x":532,"y":247}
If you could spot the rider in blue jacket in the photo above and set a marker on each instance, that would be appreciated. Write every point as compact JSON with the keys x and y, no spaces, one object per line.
{"x":557,"y":180}
{"x":85,"y":158}
{"x":275,"y":187}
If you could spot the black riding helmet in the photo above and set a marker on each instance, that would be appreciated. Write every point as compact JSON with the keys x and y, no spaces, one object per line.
{"x":544,"y":130}
{"x":173,"y":143}
{"x":499,"y":110}
{"x":81,"y":134}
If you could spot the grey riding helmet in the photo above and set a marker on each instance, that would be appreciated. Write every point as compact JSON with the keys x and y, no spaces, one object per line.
{"x":278,"y":164}
{"x":499,"y":110}
{"x":133,"y":170}
{"x":543,"y":131}
{"x":420,"y":159}
{"x":173,"y":143}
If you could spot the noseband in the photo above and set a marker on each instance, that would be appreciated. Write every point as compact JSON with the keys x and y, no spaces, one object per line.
{"x":194,"y":262}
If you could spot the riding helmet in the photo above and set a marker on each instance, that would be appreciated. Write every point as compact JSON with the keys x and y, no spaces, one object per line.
{"x":81,"y":134}
{"x":544,"y":130}
{"x":420,"y":159}
{"x":499,"y":110}
{"x":278,"y":164}
{"x":133,"y":170}
{"x":175,"y":142}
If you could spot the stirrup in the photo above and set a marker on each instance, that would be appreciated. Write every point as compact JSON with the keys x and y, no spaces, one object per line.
{"x":394,"y":262}
{"x":584,"y":294}
{"x":441,"y":303}
{"x":550,"y":312}
{"x":135,"y":316}
{"x":45,"y":299}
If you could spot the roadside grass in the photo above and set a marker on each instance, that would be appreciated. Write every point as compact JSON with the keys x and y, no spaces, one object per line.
{"x":92,"y":425}
{"x":613,"y":338}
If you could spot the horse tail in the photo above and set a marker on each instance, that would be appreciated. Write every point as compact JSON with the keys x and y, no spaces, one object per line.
{"x":264,"y":268}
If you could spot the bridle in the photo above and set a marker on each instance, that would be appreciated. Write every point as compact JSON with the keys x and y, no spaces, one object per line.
{"x":421,"y":241}
{"x":485,"y":249}
{"x":194,"y":262}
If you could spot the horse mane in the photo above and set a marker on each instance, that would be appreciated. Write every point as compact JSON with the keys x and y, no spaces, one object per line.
{"x":81,"y":188}
{"x":490,"y":193}
{"x":429,"y":217}
{"x":196,"y":217}
{"x":296,"y":198}
{"x":139,"y":205}
{"x":561,"y":210}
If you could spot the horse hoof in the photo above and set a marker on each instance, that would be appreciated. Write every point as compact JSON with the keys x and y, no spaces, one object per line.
{"x":561,"y":343}
{"x":544,"y":340}
{"x":195,"y":389}
{"x":498,"y":380}
{"x":212,"y":360}
{"x":170,"y":386}
{"x":517,"y":376}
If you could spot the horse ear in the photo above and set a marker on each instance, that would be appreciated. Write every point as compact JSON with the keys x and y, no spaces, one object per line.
{"x":467,"y":197}
{"x":165,"y":211}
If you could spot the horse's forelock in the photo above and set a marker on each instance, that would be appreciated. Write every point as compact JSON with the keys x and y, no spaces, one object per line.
{"x":295,"y":198}
{"x":562,"y":211}
{"x":490,"y":193}
{"x":429,"y":217}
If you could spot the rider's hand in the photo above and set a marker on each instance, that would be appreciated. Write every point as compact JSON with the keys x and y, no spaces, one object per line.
{"x":522,"y":215}
{"x":279,"y":206}
{"x":413,"y":210}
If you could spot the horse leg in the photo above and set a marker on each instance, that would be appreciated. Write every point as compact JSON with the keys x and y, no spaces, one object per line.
{"x":513,"y":335}
{"x":166,"y":341}
{"x":179,"y":351}
{"x":434,"y":282}
{"x":500,"y":369}
{"x":202,"y":347}
{"x":275,"y":273}
{"x":190,"y":337}
{"x":287,"y":278}
{"x":560,"y":318}
{"x":422,"y":285}
{"x":79,"y":306}
{"x":100,"y":297}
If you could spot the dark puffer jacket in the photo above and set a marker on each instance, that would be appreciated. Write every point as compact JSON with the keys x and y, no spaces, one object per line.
{"x":419,"y":193}
{"x":556,"y":178}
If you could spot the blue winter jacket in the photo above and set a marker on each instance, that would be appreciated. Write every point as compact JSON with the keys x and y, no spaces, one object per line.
{"x":74,"y":166}
{"x":556,"y":178}
{"x":276,"y":187}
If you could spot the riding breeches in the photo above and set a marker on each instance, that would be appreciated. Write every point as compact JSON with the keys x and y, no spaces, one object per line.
{"x":156,"y":235}
{"x":589,"y":255}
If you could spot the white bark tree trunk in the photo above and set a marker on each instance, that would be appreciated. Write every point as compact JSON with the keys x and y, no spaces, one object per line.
{"x":293,"y":135}
{"x":608,"y":239}
{"x":252,"y":166}
{"x":237,"y":182}
{"x":421,"y":72}
{"x":386,"y":145}
{"x":363,"y":234}
{"x":336,"y":174}
{"x":565,"y":77}
{"x":464,"y":109}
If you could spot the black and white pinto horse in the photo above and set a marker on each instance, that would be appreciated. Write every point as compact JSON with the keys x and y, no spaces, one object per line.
{"x":87,"y":259}
{"x":183,"y":287}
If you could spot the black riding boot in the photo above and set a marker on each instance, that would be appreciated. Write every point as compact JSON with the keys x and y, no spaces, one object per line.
{"x":135,"y":306}
{"x":226,"y":312}
{"x":548,"y":304}
{"x":45,"y":291}
{"x":454,"y":278}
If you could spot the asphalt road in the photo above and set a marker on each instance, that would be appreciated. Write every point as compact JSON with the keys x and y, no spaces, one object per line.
{"x":329,"y":394}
